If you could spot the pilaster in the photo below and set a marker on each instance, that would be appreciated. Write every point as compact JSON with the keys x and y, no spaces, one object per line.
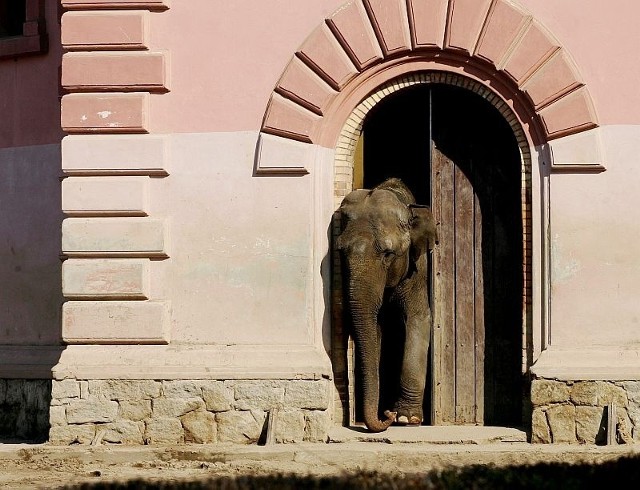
{"x":111,"y":238}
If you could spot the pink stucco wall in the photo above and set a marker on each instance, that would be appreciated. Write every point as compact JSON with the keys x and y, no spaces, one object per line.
{"x":29,"y":100}
{"x":225,"y":69}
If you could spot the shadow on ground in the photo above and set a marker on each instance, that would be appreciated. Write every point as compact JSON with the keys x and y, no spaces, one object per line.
{"x":622,"y":473}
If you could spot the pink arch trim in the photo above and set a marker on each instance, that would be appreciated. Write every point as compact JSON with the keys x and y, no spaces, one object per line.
{"x":368,"y":42}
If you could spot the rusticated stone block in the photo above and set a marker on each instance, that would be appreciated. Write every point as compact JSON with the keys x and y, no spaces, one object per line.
{"x":135,"y":410}
{"x":72,"y":434}
{"x":176,"y":407}
{"x":124,"y":389}
{"x":312,"y":395}
{"x":545,"y":391}
{"x":255,"y":395}
{"x":562,"y":421}
{"x":540,"y":432}
{"x":92,"y":410}
{"x":199,"y":427}
{"x":123,"y":432}
{"x":289,"y":426}
{"x":164,"y":431}
{"x":590,"y":426}
{"x":217,"y":396}
{"x":316,"y":425}
{"x":66,"y":388}
{"x":116,"y":322}
{"x":241,"y":427}
{"x":584,"y":393}
{"x":105,"y":30}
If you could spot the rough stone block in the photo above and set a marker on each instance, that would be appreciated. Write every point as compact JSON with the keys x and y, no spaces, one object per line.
{"x":125,"y":389}
{"x":92,"y":410}
{"x":217,"y":396}
{"x":289,"y":426}
{"x":311,"y":395}
{"x":199,"y":427}
{"x":135,"y":410}
{"x":176,"y":407}
{"x":584,"y":393}
{"x":562,"y":421}
{"x":590,"y":426}
{"x":182,"y":389}
{"x":545,"y":391}
{"x":58,"y":415}
{"x":164,"y":431}
{"x":260,"y":395}
{"x":316,"y":425}
{"x":72,"y":434}
{"x":66,"y":388}
{"x":610,"y":393}
{"x":539,"y":427}
{"x":240,"y":427}
{"x":123,"y":432}
{"x":624,"y":428}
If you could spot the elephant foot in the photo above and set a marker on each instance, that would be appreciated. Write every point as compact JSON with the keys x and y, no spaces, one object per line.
{"x":406,"y":416}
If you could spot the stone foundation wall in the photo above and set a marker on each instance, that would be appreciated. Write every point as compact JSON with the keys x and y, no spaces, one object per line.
{"x":575,"y":411}
{"x":187,"y":411}
{"x":24,"y":409}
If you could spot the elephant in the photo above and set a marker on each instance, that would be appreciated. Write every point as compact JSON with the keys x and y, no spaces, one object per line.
{"x":384,"y":245}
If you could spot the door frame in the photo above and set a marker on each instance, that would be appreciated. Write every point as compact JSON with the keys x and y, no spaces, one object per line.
{"x":343,"y":349}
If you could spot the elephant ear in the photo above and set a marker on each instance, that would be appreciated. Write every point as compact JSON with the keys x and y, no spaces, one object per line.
{"x":423,"y":230}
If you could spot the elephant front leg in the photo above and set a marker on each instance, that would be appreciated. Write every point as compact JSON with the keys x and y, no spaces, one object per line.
{"x":413,"y":376}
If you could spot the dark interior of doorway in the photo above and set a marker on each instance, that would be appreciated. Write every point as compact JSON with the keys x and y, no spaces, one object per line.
{"x":397,"y":135}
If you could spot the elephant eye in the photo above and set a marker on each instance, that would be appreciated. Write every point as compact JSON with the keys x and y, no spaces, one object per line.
{"x":388,"y":254}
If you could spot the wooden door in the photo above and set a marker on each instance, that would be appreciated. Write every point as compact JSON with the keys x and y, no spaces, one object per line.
{"x":456,"y":152}
{"x":458,"y":296}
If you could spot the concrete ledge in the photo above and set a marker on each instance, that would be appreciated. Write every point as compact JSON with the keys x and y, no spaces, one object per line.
{"x":594,"y":363}
{"x":192,"y":362}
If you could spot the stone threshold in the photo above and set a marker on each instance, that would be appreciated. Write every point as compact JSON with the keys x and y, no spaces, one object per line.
{"x":440,"y":435}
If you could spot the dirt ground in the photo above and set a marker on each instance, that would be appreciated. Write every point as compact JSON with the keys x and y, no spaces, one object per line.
{"x":51,"y":467}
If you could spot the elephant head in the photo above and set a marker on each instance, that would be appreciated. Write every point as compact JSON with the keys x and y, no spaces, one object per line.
{"x":384,"y":240}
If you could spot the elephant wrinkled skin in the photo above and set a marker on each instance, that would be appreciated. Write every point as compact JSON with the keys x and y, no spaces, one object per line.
{"x":384,"y":245}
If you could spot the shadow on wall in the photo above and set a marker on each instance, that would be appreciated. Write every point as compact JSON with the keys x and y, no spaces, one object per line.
{"x":30,"y":291}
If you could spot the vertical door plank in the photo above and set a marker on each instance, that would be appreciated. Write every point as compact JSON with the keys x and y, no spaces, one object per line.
{"x":479,"y":314}
{"x":465,"y":298}
{"x":444,"y":294}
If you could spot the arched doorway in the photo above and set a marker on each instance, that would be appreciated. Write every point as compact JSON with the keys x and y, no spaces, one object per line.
{"x":458,"y":154}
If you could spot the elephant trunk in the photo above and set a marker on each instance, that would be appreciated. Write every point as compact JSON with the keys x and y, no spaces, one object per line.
{"x":365,"y":299}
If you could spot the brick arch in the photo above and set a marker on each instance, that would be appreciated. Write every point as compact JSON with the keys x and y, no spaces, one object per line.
{"x":366,"y":43}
